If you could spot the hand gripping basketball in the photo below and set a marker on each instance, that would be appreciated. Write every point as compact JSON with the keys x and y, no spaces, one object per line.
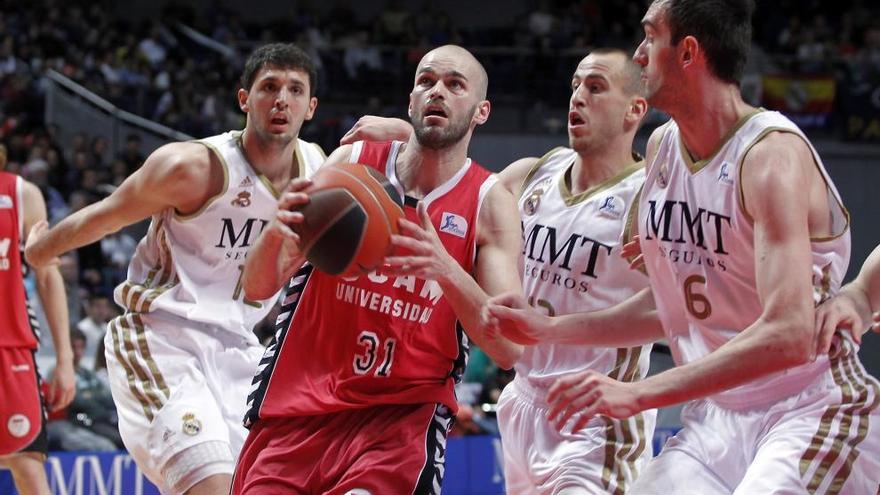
{"x":348,"y":222}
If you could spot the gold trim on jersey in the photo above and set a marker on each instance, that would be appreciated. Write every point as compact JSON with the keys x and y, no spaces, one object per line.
{"x":847,"y":376}
{"x":741,"y":197}
{"x":212,"y":199}
{"x":695,"y":166}
{"x":139,"y":297}
{"x":632,"y":226}
{"x":129,"y":372}
{"x":149,"y":398}
{"x":573,"y":199}
{"x":623,"y":449}
{"x":537,"y":166}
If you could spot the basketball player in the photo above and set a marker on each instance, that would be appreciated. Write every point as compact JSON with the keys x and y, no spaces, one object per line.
{"x":23,"y":441}
{"x":183,"y":354}
{"x":578,"y":198}
{"x":856,"y":307}
{"x":575,"y":206}
{"x":356,"y":393}
{"x":742,"y":233}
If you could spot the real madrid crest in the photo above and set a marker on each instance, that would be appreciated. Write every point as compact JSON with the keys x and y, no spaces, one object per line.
{"x":243,"y":199}
{"x":191,"y":425}
{"x":530,"y":206}
{"x":663,"y":175}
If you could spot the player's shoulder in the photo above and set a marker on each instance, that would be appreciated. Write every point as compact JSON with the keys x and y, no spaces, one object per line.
{"x":516,"y":175}
{"x":187,"y":160}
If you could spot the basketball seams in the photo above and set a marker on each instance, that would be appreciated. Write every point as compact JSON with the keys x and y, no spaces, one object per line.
{"x":367,"y":240}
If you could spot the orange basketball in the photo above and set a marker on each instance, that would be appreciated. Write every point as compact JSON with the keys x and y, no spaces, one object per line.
{"x":352,"y":212}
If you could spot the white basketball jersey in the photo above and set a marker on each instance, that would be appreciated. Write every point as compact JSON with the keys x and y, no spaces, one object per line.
{"x":190,"y":266}
{"x":571,"y":263}
{"x":698,"y":244}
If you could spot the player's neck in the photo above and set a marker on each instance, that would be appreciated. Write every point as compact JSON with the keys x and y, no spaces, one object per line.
{"x":273,"y":160}
{"x":592,"y":168}
{"x":420,"y":170}
{"x":708,"y":114}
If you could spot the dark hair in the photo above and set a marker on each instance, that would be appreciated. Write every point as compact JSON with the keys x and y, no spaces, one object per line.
{"x":631,"y":72}
{"x":281,"y":56}
{"x":77,"y":334}
{"x":723,"y":28}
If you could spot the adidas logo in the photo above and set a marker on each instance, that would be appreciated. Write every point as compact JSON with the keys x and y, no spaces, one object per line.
{"x":246,"y":182}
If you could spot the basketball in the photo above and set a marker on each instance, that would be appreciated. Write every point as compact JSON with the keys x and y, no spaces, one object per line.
{"x":348,"y":222}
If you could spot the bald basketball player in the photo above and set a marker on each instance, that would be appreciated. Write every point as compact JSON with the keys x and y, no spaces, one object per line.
{"x":356,"y":393}
{"x":182,"y":356}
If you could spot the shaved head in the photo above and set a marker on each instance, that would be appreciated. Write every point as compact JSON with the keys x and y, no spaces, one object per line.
{"x":627,"y":73}
{"x":467,"y":64}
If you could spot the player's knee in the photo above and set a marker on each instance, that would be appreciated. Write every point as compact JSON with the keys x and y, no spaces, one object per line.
{"x":197,"y":463}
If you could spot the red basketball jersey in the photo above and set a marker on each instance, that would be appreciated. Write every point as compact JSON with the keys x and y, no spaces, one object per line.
{"x":16,"y":328}
{"x":347,"y":343}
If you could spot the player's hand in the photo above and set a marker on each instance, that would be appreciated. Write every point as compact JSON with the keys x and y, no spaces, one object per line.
{"x":588,"y":394}
{"x":287,"y":216}
{"x":833,"y":316}
{"x":516,"y":320}
{"x":425,"y":257}
{"x":373,"y":128}
{"x":62,"y":386}
{"x":632,"y":251}
{"x":37,"y":232}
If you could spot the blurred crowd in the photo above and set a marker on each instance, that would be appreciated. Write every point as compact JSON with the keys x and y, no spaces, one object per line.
{"x":181,"y":71}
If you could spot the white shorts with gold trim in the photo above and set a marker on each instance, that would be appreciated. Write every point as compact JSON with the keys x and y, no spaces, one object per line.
{"x":177,"y":384}
{"x":824,"y":440}
{"x":603,"y":458}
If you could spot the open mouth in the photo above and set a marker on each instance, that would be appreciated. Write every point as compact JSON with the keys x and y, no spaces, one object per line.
{"x":279,"y":121}
{"x":435,"y":111}
{"x":574,"y":119}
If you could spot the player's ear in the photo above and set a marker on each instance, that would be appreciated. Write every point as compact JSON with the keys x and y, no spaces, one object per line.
{"x":313,"y":104}
{"x":481,"y":113}
{"x":638,"y":108}
{"x":689,"y":50}
{"x":242,"y":100}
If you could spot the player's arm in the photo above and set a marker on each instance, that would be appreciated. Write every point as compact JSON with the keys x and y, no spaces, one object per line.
{"x":852,"y":308}
{"x":776,"y":173}
{"x":498,"y":242}
{"x":513,"y":175}
{"x":177,"y":175}
{"x":627,"y":324}
{"x":373,"y":128}
{"x":50,"y":288}
{"x":276,"y":255}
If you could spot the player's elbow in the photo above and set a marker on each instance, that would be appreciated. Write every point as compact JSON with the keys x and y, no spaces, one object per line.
{"x":793,"y":341}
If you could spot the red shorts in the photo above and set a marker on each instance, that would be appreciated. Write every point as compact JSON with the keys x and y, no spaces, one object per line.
{"x":384,"y":450}
{"x":21,"y":405}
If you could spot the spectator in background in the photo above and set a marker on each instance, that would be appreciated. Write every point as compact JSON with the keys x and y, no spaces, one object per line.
{"x":37,"y":172}
{"x":99,"y":311}
{"x":89,"y":422}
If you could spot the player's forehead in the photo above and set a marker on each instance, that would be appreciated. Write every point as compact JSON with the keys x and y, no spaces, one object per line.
{"x":277,"y":73}
{"x":655,"y":17}
{"x":449,"y":62}
{"x":600,"y":65}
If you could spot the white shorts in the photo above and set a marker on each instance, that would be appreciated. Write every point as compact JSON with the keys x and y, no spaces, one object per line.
{"x":605,"y":457}
{"x":178,"y":384}
{"x":824,"y":440}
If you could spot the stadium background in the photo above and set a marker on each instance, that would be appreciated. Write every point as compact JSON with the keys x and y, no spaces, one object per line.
{"x":88,"y":89}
